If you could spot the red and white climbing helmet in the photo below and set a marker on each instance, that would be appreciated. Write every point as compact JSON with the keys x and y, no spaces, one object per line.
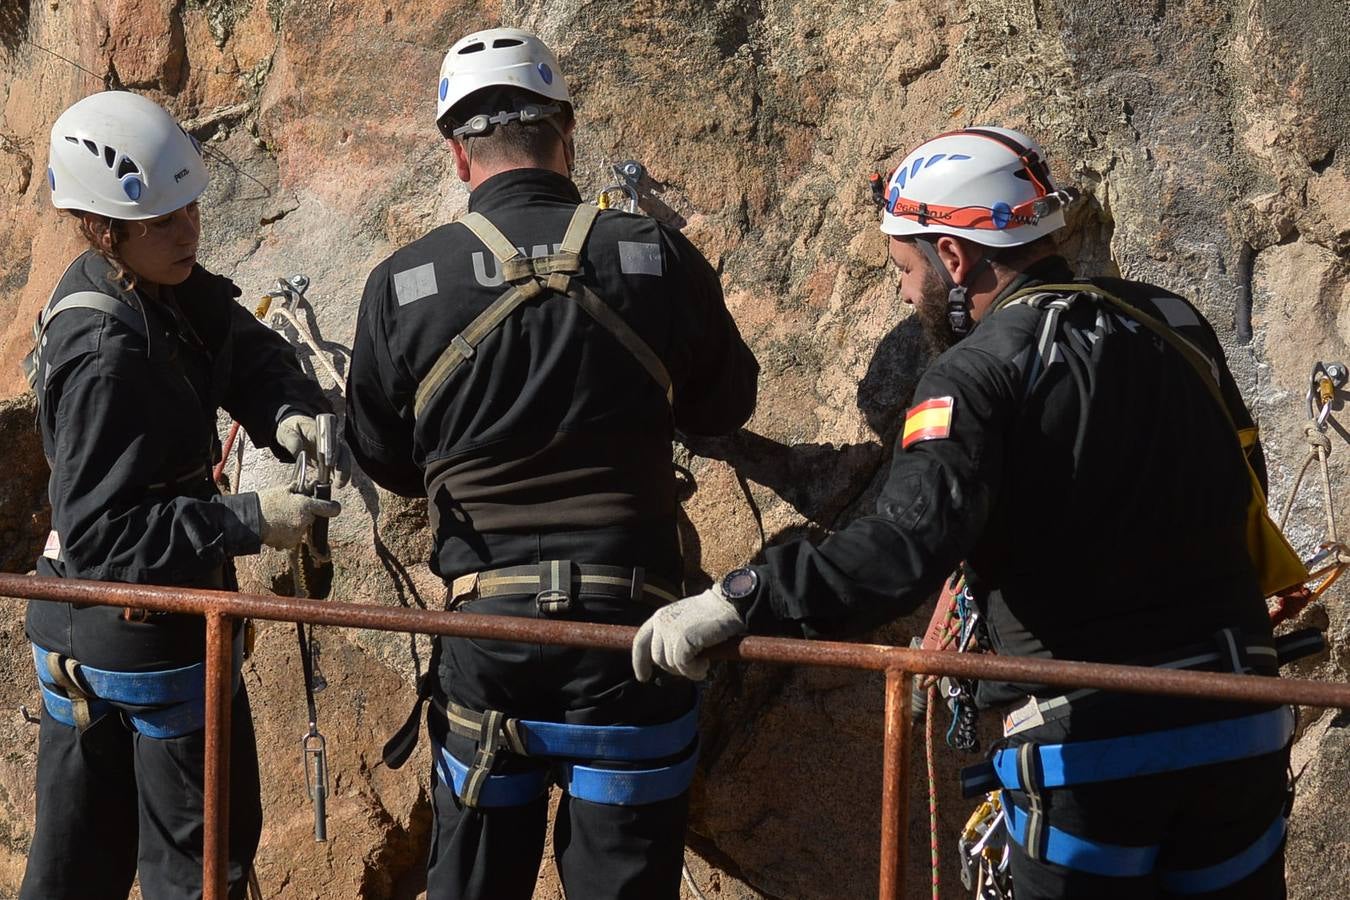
{"x":987,"y":185}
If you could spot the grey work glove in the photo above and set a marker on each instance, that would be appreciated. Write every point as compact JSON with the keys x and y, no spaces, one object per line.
{"x":299,"y":432}
{"x":286,"y":515}
{"x":676,"y":635}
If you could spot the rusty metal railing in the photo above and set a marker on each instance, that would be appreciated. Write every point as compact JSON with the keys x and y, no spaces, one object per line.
{"x":222,"y":609}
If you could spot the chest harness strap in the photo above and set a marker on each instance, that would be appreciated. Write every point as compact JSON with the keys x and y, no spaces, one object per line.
{"x":574,"y":751}
{"x":530,"y":278}
{"x":167,"y":703}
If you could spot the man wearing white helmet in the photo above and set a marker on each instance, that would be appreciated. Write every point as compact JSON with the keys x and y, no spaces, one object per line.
{"x":1076,"y":449}
{"x":523,"y":369}
{"x":135,"y":350}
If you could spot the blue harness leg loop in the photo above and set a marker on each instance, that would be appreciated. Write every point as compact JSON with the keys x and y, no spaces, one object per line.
{"x":1231,"y":870}
{"x":1116,"y":860}
{"x":630,"y":787}
{"x":1073,"y":852}
{"x":577,"y":754}
{"x":496,"y":790}
{"x":159,"y":704}
{"x":612,"y":787}
{"x":1151,"y":753}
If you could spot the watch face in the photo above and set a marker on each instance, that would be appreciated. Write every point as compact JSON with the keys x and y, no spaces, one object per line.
{"x":739,"y":583}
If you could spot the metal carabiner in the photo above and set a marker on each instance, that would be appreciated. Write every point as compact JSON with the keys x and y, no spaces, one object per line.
{"x":314,"y":753}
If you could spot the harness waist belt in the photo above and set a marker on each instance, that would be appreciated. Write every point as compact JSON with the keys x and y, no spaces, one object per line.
{"x":563,"y":576}
{"x":1150,"y":753}
{"x":1236,"y":656}
{"x":1120,"y":861}
{"x":612,"y":787}
{"x":627,"y":743}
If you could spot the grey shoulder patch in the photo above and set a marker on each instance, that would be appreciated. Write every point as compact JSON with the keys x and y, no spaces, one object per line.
{"x":637,"y":258}
{"x":414,"y":284}
{"x":1176,"y":313}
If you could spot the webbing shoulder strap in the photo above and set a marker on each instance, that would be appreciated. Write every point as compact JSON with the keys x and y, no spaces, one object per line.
{"x":1204,"y":366}
{"x":529,"y":278}
{"x":94,"y":300}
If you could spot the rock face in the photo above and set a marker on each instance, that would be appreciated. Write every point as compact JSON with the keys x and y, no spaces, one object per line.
{"x":1210,"y":139}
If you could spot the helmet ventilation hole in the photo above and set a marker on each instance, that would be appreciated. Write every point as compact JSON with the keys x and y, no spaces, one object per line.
{"x":506,"y":42}
{"x":473,"y":48}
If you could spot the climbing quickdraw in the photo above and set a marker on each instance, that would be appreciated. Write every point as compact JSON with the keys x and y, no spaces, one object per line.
{"x":314,"y":555}
{"x":1332,"y":556}
{"x":984,"y":853}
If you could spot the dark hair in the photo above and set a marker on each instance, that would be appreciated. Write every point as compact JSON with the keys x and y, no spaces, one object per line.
{"x":516,"y":141}
{"x":1018,"y":258}
{"x":121,"y":276}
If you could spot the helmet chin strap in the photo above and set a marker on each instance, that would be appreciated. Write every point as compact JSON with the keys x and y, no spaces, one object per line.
{"x":958,"y":304}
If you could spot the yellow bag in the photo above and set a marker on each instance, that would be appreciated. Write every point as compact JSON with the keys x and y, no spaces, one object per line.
{"x":1278,"y":567}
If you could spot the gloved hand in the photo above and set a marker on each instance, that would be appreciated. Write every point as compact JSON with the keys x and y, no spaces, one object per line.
{"x":299,"y":432}
{"x":287,"y":515}
{"x":676,"y":634}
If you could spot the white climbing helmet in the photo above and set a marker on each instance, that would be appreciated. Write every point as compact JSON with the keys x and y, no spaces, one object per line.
{"x":987,"y":185}
{"x":498,"y":57}
{"x":122,"y":155}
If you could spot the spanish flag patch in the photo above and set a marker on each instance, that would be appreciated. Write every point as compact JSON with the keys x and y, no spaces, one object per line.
{"x":931,"y":420}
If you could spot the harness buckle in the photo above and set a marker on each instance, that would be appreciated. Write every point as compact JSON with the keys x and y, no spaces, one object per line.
{"x":555,"y":579}
{"x":553,"y":602}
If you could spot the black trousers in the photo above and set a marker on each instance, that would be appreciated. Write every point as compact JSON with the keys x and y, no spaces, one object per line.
{"x":112,"y":803}
{"x":1199,"y":817}
{"x":602,"y":851}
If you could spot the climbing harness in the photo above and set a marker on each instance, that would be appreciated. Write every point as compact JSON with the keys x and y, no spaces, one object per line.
{"x":566,"y":746}
{"x":1032,"y":768}
{"x":165,"y":703}
{"x":557,"y":273}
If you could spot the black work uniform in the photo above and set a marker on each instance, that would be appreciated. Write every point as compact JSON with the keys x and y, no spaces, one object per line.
{"x":1098,"y":496}
{"x":551,"y":443}
{"x":128,"y":420}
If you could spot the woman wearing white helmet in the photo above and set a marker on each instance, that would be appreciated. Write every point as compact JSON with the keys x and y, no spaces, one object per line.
{"x":134,"y":352}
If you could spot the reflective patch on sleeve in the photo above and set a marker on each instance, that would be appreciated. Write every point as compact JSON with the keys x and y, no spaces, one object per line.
{"x":414,"y":284}
{"x":931,"y":420}
{"x":52,"y":549}
{"x":640,"y":259}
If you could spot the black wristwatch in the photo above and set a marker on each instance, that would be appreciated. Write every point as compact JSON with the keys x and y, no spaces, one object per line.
{"x":739,"y":583}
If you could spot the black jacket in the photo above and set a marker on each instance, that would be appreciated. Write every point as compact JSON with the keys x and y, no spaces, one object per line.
{"x":552,"y":427}
{"x":1099,"y":503}
{"x":128,"y":423}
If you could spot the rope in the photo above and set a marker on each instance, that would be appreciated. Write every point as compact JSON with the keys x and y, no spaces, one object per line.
{"x":932,"y":790}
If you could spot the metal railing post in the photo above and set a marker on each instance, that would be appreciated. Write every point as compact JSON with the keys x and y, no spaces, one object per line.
{"x":895,"y":786}
{"x":216,"y":782}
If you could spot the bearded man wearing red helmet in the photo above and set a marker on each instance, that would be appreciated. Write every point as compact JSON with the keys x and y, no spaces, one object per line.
{"x":1079,"y":444}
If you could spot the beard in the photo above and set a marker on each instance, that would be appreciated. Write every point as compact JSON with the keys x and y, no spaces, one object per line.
{"x":932,"y":312}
